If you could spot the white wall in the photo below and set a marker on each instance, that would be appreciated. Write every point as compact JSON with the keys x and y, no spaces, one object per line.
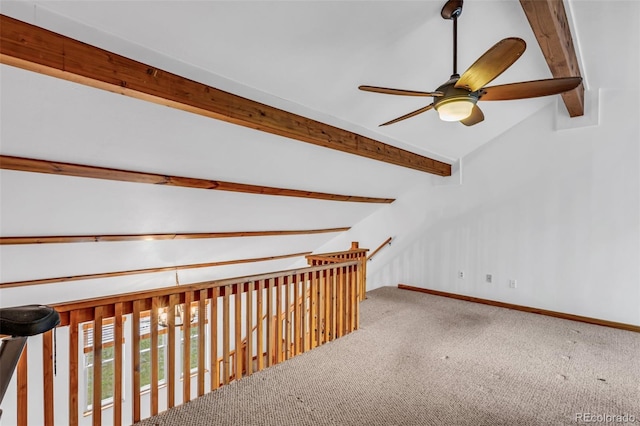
{"x":51,"y":119}
{"x":556,"y":210}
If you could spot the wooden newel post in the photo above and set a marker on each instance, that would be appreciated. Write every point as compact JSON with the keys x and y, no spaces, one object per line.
{"x":362,"y":279}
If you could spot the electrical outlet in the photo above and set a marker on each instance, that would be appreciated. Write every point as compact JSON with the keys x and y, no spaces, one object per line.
{"x":489,"y":278}
{"x":461,"y":274}
{"x":513,"y":283}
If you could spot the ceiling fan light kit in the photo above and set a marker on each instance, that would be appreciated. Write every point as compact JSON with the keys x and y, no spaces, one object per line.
{"x":456,"y":100}
{"x":456,"y":104}
{"x":454,"y":109}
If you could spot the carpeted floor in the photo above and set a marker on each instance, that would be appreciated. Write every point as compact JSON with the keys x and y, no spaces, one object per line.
{"x":420,"y":359}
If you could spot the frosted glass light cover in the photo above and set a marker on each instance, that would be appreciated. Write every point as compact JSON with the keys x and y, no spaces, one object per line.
{"x":455,"y":110}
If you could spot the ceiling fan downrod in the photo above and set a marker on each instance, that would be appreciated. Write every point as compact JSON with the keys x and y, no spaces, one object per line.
{"x":455,"y":45}
{"x":452,"y":10}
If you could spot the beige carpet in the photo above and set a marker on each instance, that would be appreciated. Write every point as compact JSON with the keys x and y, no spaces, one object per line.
{"x":420,"y":359}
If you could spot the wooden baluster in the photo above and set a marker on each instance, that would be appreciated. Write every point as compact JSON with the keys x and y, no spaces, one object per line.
{"x":351,"y":294}
{"x":153,"y":351}
{"x":170,"y":376}
{"x":186,"y":347}
{"x":363,"y":277}
{"x":117,"y":363}
{"x":351,"y":282}
{"x":202,"y":320}
{"x":313,"y":307}
{"x":333,"y":274}
{"x":323,"y":307}
{"x":346,"y":293}
{"x":328,"y":301}
{"x":135,"y":358}
{"x":226,"y":356}
{"x":97,"y":365}
{"x":347,"y":300}
{"x":213,"y":336}
{"x":278,"y":282}
{"x":249,"y":328}
{"x":259,"y":326}
{"x":354,"y":296}
{"x":73,"y":368}
{"x":270,"y":323}
{"x":289,"y":284}
{"x":319,"y":283}
{"x":340,"y":301}
{"x":238,"y":330}
{"x":311,"y":310}
{"x":232,"y":365}
{"x":359,"y":297}
{"x":304,"y":317}
{"x":342,"y":289}
{"x":297,"y":323}
{"x":47,"y":383}
{"x":22,"y":378}
{"x":331,"y":299}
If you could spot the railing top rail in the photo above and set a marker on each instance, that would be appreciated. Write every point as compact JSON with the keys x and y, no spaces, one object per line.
{"x":337,"y":253}
{"x":324,"y":258}
{"x":166,"y":291}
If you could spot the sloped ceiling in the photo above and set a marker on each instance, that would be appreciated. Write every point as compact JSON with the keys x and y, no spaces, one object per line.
{"x":306,"y":57}
{"x":310,"y":56}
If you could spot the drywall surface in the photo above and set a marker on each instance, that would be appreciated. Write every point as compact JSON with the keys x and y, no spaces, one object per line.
{"x":558,"y":211}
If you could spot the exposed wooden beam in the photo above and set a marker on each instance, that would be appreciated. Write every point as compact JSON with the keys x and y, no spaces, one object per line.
{"x":548,"y":20}
{"x":36,"y":49}
{"x":80,"y":170}
{"x":61,"y":239}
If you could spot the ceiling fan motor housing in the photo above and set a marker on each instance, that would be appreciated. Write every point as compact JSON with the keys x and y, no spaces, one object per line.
{"x":454,"y":94}
{"x":452,"y":9}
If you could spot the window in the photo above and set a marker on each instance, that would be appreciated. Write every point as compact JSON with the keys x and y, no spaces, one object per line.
{"x":145,"y":353}
{"x":193,"y":340}
{"x":108,"y":356}
{"x":193,"y":361}
{"x":108,"y":362}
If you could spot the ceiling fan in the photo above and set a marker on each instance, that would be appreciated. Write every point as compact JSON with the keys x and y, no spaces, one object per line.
{"x":456,"y":100}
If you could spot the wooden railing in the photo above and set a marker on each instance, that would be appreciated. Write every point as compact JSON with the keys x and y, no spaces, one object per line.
{"x":355,"y":253}
{"x":380,"y":247}
{"x":234,"y":327}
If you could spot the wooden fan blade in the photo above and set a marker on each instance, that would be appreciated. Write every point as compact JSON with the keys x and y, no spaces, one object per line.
{"x":403,"y":92}
{"x":529,"y":89}
{"x":411,"y":114}
{"x":493,"y":63}
{"x":476,"y":117}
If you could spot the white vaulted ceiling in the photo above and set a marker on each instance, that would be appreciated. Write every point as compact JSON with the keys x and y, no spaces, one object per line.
{"x":310,"y":56}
